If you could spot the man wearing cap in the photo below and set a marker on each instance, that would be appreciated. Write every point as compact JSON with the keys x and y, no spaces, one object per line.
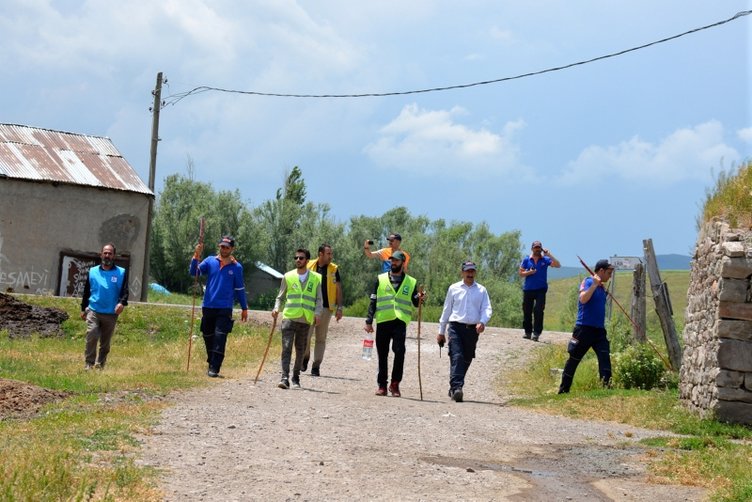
{"x":395,"y":241}
{"x":224,"y":285}
{"x":534,"y":269}
{"x":301,"y":292}
{"x":394,"y":296}
{"x":332,"y":297}
{"x":590,"y":327}
{"x":467,"y":310}
{"x":105,"y":296}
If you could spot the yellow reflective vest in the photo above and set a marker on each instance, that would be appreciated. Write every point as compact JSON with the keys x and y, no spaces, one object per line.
{"x":391,"y":304}
{"x":301,"y":302}
{"x":331,"y":282}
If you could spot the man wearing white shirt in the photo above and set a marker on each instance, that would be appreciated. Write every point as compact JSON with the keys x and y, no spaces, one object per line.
{"x":467,"y":310}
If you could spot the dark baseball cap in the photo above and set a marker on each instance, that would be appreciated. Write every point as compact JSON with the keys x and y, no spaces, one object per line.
{"x":602,"y":264}
{"x":395,"y":236}
{"x":227,"y":241}
{"x":468,"y":265}
{"x":398,"y":255}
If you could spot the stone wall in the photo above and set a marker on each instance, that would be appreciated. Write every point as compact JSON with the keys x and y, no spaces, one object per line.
{"x":716,"y":372}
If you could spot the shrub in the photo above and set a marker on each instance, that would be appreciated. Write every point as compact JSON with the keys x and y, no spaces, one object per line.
{"x":637,"y":368}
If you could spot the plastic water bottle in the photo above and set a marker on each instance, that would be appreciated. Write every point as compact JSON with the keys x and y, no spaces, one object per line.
{"x":367,"y":346}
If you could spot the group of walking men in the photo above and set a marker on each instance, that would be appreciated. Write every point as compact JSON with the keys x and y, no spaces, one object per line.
{"x":311,"y":293}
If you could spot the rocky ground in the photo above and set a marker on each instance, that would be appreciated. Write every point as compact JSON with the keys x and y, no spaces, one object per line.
{"x":335,"y":440}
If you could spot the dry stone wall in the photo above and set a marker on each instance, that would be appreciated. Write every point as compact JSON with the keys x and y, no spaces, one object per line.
{"x":716,"y":372}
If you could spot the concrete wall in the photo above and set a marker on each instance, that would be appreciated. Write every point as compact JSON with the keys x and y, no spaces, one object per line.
{"x":716,"y":372}
{"x":38,"y":221}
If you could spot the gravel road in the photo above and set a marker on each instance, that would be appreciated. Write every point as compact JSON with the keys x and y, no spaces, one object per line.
{"x":335,"y":440}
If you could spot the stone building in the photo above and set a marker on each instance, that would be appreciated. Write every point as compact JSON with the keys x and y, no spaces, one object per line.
{"x":716,"y":372}
{"x":62,"y":197}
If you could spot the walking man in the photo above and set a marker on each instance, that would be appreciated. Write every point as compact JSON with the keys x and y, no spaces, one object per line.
{"x":301,"y":292}
{"x":224,"y":285}
{"x":105,"y":296}
{"x":331,"y":293}
{"x":590,"y":327}
{"x":534,"y":269}
{"x":392,"y":301}
{"x":467,"y":310}
{"x":395,"y":241}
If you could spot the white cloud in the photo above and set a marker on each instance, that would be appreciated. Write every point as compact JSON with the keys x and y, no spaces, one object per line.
{"x":686,"y":154}
{"x":421,"y":141}
{"x":745,"y":134}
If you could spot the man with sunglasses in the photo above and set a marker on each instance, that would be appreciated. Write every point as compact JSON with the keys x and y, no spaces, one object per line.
{"x":395,"y":241}
{"x":301,"y":292}
{"x":392,"y":300}
{"x":224,"y":286}
{"x":534,"y":269}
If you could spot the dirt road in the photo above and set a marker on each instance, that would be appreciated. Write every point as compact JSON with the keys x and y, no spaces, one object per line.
{"x":335,"y":440}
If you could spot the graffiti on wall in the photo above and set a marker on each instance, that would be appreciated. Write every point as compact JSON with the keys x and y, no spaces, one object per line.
{"x":22,"y":280}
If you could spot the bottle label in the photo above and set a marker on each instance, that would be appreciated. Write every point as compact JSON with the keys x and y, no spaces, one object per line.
{"x":368,"y":344}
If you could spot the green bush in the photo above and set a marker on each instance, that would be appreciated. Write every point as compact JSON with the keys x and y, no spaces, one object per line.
{"x":637,"y":367}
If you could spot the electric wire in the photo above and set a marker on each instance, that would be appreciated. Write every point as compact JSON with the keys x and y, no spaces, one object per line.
{"x":175,"y":98}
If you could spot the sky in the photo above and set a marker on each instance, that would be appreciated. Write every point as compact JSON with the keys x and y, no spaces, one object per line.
{"x":591,"y":159}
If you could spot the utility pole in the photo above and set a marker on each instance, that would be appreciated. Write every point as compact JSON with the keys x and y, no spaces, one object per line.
{"x":157,"y":92}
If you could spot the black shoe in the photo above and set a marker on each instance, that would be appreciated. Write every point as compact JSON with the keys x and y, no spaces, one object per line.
{"x":295,"y":383}
{"x":284,"y":384}
{"x":535,"y":337}
{"x":457,"y":395}
{"x":211,"y":372}
{"x":315,"y":371}
{"x":526,"y":336}
{"x":305,"y":364}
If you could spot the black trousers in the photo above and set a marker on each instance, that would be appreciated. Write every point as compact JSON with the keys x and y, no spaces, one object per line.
{"x":583,"y":339}
{"x":216,"y":324}
{"x":394,"y":331}
{"x":533,"y":305}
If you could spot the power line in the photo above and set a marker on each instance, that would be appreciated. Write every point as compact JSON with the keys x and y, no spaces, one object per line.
{"x":173,"y":99}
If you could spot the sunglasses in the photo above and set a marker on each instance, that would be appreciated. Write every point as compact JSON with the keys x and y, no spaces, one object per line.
{"x":300,"y":258}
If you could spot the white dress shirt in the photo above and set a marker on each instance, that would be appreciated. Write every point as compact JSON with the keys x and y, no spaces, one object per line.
{"x":465,"y":304}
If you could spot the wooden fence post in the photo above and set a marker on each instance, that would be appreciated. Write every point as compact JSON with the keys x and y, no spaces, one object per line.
{"x":639,"y":304}
{"x":662,"y":306}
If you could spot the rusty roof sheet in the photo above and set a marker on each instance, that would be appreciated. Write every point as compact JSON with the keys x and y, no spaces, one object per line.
{"x":36,"y":154}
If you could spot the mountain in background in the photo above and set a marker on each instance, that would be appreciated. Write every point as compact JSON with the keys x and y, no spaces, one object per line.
{"x":665,"y":262}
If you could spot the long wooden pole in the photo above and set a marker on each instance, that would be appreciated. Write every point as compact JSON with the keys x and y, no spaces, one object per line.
{"x":634,"y":324}
{"x":420,"y":315}
{"x":195,"y":287}
{"x":266,"y":351}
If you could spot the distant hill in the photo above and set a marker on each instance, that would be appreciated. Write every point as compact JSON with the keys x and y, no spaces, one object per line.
{"x":665,"y":262}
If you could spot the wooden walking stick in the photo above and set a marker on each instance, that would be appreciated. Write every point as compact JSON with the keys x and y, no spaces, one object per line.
{"x":195,"y":287}
{"x":636,"y":327}
{"x":271,"y":333}
{"x":420,"y":314}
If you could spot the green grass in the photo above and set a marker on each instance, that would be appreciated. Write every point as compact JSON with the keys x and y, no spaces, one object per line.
{"x":82,"y":447}
{"x":711,"y":454}
{"x":731,"y":197}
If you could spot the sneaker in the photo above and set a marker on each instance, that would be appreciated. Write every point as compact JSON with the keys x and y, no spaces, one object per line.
{"x":315,"y":371}
{"x":457,"y":395}
{"x":98,"y":366}
{"x":394,"y":389}
{"x":526,"y":336}
{"x":88,"y":367}
{"x":535,"y":337}
{"x":305,"y":364}
{"x":284,"y":384}
{"x":211,"y":372}
{"x":381,"y":391}
{"x":295,"y":383}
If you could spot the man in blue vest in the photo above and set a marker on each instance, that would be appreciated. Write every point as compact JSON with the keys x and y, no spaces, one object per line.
{"x":301,"y":292}
{"x":590,"y":327}
{"x":105,"y":296}
{"x":392,"y":301}
{"x":224,"y":285}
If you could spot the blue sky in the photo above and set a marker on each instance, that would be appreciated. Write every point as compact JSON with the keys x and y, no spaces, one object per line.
{"x":590,"y":160}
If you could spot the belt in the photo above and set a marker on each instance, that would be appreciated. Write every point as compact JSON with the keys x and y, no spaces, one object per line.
{"x":464,"y":325}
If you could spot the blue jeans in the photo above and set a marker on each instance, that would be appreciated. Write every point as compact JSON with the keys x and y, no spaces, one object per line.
{"x":216,"y":324}
{"x":463,"y":339}
{"x":583,"y":339}
{"x":533,"y":305}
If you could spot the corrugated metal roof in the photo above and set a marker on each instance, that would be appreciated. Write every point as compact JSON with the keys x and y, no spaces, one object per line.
{"x":36,"y":154}
{"x":269,"y":270}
